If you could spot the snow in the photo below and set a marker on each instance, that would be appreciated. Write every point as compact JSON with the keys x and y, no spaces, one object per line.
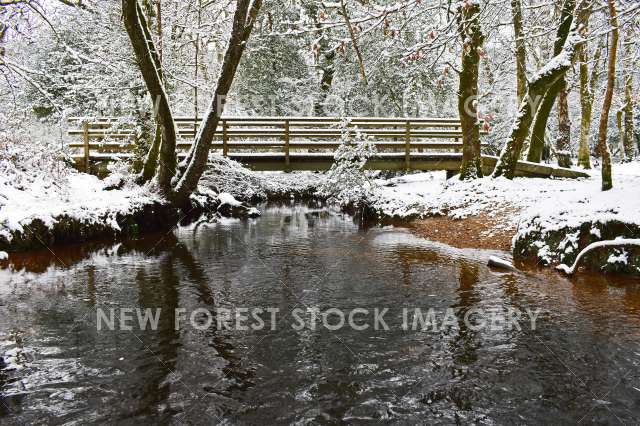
{"x":564,"y":59}
{"x":226,"y":198}
{"x":500,"y":263}
{"x":78,"y":195}
{"x":4,"y":255}
{"x":522,"y":203}
{"x":36,"y":183}
{"x":599,"y":244}
{"x":622,"y":257}
{"x":226,"y":175}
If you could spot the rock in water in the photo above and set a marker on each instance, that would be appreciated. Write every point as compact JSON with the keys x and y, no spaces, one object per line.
{"x":497,"y":262}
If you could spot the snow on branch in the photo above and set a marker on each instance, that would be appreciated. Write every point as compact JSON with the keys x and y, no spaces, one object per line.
{"x":598,"y":244}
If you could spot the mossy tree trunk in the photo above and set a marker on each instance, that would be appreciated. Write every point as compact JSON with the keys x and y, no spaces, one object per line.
{"x":536,"y":145}
{"x":149,"y":63}
{"x":629,"y":104}
{"x":627,"y":140}
{"x":521,"y":53}
{"x":587,"y":89}
{"x":563,"y":141}
{"x":472,"y":39}
{"x":568,"y":37}
{"x":603,"y":146}
{"x":326,"y":56}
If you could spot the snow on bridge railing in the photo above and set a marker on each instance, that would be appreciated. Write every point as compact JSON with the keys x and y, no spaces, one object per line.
{"x":115,"y":140}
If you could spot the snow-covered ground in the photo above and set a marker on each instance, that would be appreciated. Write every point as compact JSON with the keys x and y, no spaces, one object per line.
{"x":76,"y":195}
{"x":38,"y":185}
{"x":521,"y":203}
{"x":229,"y":176}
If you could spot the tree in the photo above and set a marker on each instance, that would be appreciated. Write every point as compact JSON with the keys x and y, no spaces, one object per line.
{"x":521,"y":54}
{"x":547,"y":78}
{"x":603,"y":146}
{"x":148,"y":61}
{"x":588,"y":84}
{"x":472,"y":39}
{"x":629,"y":104}
{"x":196,"y":162}
{"x":542,"y":114}
{"x":177,"y":185}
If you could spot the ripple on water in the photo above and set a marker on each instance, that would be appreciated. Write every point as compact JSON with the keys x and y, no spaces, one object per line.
{"x":57,"y":367}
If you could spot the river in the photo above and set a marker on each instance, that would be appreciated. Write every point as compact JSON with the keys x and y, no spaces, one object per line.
{"x":578,"y":361}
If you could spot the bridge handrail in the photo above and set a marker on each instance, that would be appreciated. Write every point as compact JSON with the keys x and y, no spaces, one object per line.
{"x":403,"y":130}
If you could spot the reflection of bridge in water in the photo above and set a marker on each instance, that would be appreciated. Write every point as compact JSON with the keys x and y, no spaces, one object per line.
{"x":305,"y":143}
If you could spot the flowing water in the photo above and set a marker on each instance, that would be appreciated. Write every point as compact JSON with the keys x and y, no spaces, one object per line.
{"x":579,"y":364}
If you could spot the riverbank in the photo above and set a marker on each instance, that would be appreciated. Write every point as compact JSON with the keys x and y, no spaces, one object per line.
{"x":548,"y":221}
{"x":39,"y":211}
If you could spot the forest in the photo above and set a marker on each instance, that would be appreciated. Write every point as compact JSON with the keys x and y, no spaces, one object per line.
{"x":151,"y":150}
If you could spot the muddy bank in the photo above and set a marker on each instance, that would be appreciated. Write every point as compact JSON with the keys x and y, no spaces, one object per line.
{"x":479,"y":232}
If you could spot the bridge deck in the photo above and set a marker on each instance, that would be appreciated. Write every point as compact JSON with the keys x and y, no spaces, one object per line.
{"x":395,"y":161}
{"x":305,"y":143}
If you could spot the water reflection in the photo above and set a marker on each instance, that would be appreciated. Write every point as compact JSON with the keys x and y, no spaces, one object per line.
{"x":583,"y":358}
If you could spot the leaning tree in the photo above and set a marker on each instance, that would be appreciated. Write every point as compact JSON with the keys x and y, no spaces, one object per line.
{"x":543,"y":83}
{"x":178,"y":181}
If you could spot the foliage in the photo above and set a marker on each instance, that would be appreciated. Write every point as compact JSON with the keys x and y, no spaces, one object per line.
{"x":20,"y":157}
{"x":347,"y":183}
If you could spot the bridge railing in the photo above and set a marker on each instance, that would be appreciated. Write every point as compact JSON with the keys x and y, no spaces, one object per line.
{"x":106,"y":139}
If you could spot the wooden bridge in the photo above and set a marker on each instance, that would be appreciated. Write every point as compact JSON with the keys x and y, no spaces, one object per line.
{"x":302,"y":143}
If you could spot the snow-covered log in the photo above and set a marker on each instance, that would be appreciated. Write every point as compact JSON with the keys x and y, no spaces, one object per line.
{"x":598,"y":244}
{"x":500,"y":263}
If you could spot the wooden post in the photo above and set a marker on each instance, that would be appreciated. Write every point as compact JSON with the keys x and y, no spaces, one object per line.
{"x":85,"y":140}
{"x":225,"y":138}
{"x":456,"y":140}
{"x":287,"y":160}
{"x":407,"y":145}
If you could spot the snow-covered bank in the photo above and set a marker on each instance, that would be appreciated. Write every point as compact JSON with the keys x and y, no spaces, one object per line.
{"x":75,"y":206}
{"x":229,"y":176}
{"x":43,"y":201}
{"x":552,"y":219}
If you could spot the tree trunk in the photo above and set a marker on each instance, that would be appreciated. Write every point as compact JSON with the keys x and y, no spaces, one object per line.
{"x":243,"y":21}
{"x":159,"y":29}
{"x":629,"y":105}
{"x":628,"y":118}
{"x":587,"y":89}
{"x":472,"y":39}
{"x":148,"y":62}
{"x":603,"y":146}
{"x":326,"y":82}
{"x":354,"y":41}
{"x":326,"y":59}
{"x":586,"y":104}
{"x":564,"y":126}
{"x":151,"y":161}
{"x":539,"y":85}
{"x":542,"y":115}
{"x":536,"y":147}
{"x":521,"y":54}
